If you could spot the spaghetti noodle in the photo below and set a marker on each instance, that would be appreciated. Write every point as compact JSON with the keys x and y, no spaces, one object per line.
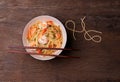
{"x":45,"y":34}
{"x":87,"y":36}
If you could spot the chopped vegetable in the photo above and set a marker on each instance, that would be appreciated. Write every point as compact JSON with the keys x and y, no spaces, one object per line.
{"x":50,"y":22}
{"x":58,"y":35}
{"x":39,"y":51}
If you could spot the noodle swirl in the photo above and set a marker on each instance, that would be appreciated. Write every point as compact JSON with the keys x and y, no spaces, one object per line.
{"x":95,"y":38}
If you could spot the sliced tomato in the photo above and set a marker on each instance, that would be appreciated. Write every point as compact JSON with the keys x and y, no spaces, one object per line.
{"x":39,"y":51}
{"x":58,"y":35}
{"x":44,"y":30}
{"x":50,"y":22}
{"x":32,"y":30}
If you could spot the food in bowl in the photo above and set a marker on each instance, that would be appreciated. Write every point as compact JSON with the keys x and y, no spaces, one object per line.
{"x":45,"y":34}
{"x":44,"y":31}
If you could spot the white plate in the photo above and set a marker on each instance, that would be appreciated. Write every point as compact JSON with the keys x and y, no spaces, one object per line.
{"x":44,"y":18}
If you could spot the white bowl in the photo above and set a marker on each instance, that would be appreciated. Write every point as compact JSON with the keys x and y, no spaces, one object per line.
{"x":44,"y":18}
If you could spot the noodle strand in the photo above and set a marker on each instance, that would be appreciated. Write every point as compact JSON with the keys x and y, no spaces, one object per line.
{"x":87,"y":36}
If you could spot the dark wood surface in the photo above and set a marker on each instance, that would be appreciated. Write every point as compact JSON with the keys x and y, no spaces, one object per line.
{"x":98,"y":63}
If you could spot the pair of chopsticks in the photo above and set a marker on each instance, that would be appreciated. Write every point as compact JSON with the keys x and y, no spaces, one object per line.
{"x":33,"y":53}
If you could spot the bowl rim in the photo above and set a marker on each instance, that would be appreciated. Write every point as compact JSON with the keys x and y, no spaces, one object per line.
{"x":44,"y":17}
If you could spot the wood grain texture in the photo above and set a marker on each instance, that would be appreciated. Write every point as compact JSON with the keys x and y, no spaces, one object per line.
{"x":98,"y":62}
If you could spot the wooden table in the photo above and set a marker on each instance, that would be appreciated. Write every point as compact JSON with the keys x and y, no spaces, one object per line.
{"x":98,"y":62}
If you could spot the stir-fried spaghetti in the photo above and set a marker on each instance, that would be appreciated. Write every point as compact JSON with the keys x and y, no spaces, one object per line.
{"x":45,"y":34}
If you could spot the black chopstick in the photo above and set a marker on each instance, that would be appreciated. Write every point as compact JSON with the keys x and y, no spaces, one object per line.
{"x":29,"y":47}
{"x":22,"y":52}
